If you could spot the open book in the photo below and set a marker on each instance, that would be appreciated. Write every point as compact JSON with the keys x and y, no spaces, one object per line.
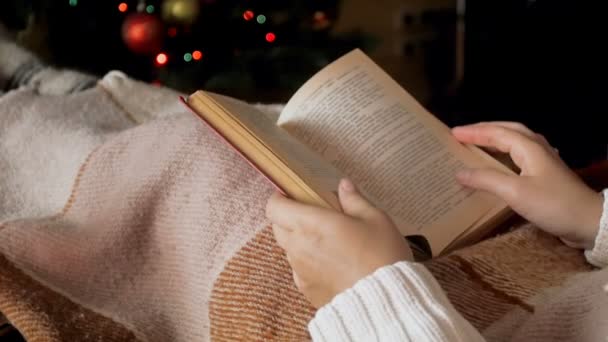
{"x":353,"y":120}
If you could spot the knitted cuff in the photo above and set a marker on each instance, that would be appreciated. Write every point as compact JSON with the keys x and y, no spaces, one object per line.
{"x":598,"y":256}
{"x":401,"y":302}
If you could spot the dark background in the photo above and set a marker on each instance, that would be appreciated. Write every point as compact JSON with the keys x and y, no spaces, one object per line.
{"x":539,"y":62}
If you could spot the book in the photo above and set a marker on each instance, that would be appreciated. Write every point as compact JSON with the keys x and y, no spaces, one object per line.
{"x":353,"y":120}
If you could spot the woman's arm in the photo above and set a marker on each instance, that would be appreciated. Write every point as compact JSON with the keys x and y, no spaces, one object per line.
{"x":400,"y":302}
{"x":339,"y":261}
{"x":546,"y":192}
{"x":355,"y":267}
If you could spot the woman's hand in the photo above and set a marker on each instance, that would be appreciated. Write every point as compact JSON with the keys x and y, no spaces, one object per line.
{"x":330,"y":251}
{"x":547,"y":192}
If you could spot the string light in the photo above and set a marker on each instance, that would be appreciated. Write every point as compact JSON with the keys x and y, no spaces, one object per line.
{"x":73,"y":3}
{"x":123,"y":7}
{"x":162,"y":59}
{"x":320,"y":15}
{"x":248,"y":15}
{"x":270,"y":37}
{"x":261,"y":19}
{"x":150,"y":9}
{"x":320,"y":21}
{"x":188,"y":57}
{"x":197,"y":55}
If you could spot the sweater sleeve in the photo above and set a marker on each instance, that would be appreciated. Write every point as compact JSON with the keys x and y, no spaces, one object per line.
{"x":598,"y":256}
{"x":400,"y":302}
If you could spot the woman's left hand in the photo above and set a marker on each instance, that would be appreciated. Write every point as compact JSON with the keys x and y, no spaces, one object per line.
{"x":330,"y":251}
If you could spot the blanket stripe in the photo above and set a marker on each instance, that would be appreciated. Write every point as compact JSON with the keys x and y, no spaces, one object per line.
{"x":254,"y":298}
{"x":44,"y":315}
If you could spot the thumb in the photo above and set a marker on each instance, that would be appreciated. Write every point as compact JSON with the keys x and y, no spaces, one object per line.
{"x":490,"y":180}
{"x":353,"y":203}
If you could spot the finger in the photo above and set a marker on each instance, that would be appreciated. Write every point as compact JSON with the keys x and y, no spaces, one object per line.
{"x":274,"y":205}
{"x":519,"y":146}
{"x":541,"y":138}
{"x":292,"y":215}
{"x":282,"y":236}
{"x":297,"y":280}
{"x":516,"y":126}
{"x":493,"y":181}
{"x":353,"y":203}
{"x":523,"y":129}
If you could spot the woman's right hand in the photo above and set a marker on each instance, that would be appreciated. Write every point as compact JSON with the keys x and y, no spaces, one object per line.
{"x":546,"y":192}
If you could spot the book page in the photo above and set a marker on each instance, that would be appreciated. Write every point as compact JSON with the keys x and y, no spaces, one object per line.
{"x":403,"y":158}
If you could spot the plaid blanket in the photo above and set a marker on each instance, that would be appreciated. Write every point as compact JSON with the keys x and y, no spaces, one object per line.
{"x":122,"y":217}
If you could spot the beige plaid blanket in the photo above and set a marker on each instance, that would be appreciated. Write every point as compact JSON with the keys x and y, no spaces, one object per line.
{"x":123,"y":217}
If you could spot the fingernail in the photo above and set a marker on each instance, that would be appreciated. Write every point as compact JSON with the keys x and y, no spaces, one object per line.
{"x":347,"y":185}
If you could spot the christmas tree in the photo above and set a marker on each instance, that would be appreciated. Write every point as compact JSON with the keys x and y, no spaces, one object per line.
{"x":254,"y":49}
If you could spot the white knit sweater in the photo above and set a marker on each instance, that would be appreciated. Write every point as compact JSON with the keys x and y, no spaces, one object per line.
{"x":403,"y":302}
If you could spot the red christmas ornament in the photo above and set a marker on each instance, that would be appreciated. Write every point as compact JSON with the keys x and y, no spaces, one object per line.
{"x":143,"y":33}
{"x":248,"y":15}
